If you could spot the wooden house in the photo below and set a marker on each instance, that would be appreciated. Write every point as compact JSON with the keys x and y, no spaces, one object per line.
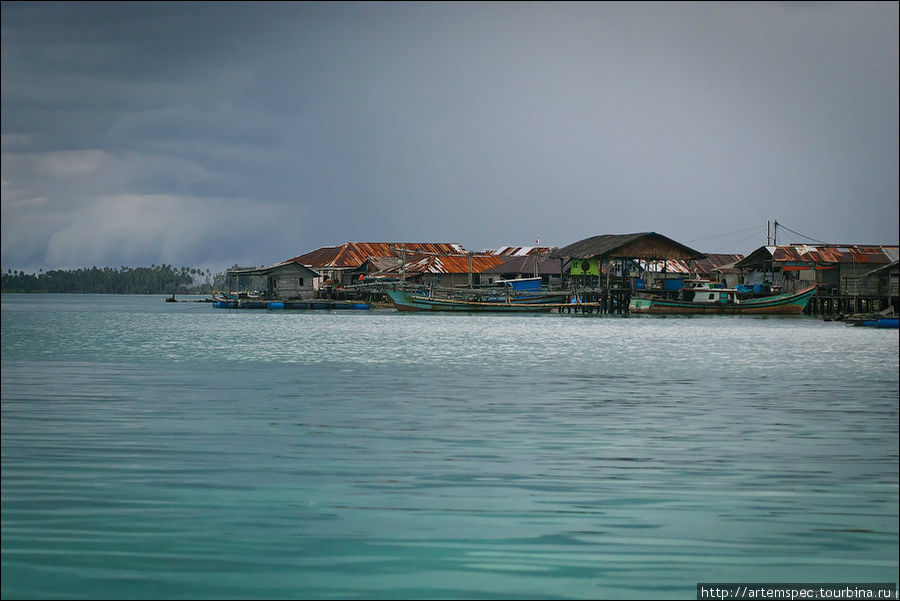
{"x":838,"y":269}
{"x":286,"y":280}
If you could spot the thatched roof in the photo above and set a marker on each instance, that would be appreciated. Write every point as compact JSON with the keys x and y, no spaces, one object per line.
{"x":645,"y":245}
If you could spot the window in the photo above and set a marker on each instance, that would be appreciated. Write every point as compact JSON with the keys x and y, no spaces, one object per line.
{"x":712,"y":297}
{"x":301,"y":282}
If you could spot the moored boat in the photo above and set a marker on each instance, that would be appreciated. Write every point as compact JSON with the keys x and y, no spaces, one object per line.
{"x":698,"y":297}
{"x":407,"y":300}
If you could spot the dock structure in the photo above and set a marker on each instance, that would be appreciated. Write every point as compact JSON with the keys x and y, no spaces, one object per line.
{"x":604,"y":271}
{"x":275,"y":305}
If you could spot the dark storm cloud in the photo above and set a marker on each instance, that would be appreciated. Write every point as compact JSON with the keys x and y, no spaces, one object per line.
{"x":197,"y":133}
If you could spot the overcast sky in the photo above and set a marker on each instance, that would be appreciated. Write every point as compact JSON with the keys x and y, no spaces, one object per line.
{"x":218,"y":133}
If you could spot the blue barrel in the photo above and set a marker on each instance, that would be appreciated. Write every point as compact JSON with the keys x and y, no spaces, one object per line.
{"x":276,"y":305}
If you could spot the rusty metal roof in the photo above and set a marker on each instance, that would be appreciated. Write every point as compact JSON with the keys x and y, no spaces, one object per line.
{"x":823,"y":254}
{"x":443,"y":265}
{"x":354,"y":254}
{"x":431,"y":264}
{"x":519,"y":251}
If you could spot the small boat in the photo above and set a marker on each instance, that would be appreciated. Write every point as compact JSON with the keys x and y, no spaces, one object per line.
{"x":408,"y":300}
{"x":882,"y":319}
{"x":699,"y":297}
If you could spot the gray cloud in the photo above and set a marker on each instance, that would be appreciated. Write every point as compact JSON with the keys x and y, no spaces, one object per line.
{"x":137,"y":132}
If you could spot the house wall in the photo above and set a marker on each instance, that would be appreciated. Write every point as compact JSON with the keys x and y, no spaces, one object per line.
{"x":287,"y":282}
{"x":852,"y":282}
{"x":731,"y":279}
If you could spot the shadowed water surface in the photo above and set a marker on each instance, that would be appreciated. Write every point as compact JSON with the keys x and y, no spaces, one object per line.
{"x":155,"y":449}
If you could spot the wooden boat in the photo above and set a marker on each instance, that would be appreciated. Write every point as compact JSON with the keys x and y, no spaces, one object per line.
{"x":232,"y":301}
{"x":408,"y":300}
{"x":698,"y":297}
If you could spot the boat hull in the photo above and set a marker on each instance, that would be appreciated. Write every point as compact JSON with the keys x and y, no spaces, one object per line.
{"x":407,"y":301}
{"x":781,"y":304}
{"x":880,"y":322}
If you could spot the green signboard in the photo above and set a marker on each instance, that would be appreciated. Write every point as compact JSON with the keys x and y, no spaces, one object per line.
{"x":584,"y":267}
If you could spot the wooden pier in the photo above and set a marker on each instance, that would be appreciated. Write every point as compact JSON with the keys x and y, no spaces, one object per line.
{"x":613,"y":301}
{"x":832,"y":303}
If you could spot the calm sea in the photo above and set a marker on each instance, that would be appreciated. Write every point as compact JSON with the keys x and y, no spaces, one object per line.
{"x":154,"y":449}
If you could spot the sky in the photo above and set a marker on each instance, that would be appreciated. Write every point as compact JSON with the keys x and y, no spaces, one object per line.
{"x":215,"y":134}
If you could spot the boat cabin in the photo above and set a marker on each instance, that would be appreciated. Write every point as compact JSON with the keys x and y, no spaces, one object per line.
{"x":701,"y":291}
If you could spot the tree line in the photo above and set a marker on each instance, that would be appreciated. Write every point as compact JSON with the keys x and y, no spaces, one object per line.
{"x":156,"y":279}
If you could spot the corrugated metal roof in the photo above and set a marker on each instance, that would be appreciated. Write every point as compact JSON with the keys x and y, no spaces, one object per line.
{"x":519,"y":251}
{"x":431,"y":264}
{"x":673,"y":266}
{"x":354,"y":254}
{"x":546,"y":265}
{"x":824,"y":254}
{"x":442,"y":265}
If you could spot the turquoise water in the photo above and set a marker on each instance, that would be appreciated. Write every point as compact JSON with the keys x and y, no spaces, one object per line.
{"x":155,"y":449}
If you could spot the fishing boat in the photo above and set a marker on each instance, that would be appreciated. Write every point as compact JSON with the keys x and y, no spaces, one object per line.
{"x":479,"y":301}
{"x":699,"y":297}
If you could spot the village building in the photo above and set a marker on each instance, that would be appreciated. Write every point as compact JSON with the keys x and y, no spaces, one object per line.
{"x":633,"y":261}
{"x":838,"y":269}
{"x":285,"y":280}
{"x":345,"y":263}
{"x":886,"y":279}
{"x":841,"y":272}
{"x":607,"y":269}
